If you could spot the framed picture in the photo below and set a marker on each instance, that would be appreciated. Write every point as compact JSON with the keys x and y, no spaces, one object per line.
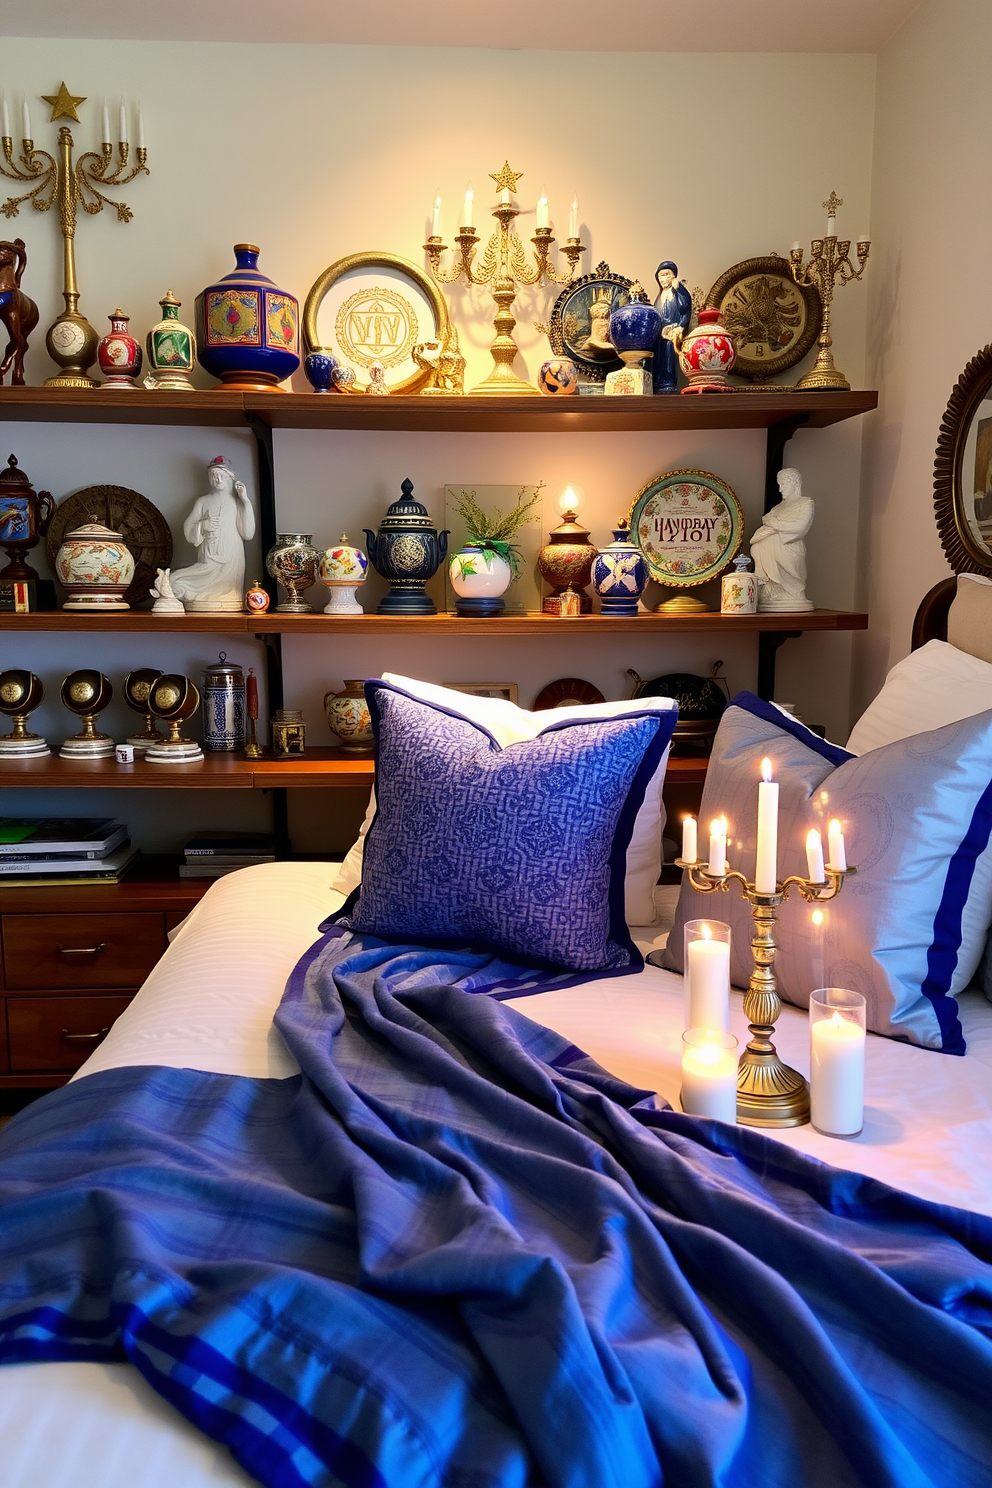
{"x":688,"y":525}
{"x":774,"y":320}
{"x":372,"y":307}
{"x":580,"y":321}
{"x":505,"y":690}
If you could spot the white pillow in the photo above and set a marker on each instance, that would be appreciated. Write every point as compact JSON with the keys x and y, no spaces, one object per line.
{"x":508,"y":723}
{"x":936,"y":685}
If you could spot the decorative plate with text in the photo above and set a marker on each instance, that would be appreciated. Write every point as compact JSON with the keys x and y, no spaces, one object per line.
{"x":688,"y":525}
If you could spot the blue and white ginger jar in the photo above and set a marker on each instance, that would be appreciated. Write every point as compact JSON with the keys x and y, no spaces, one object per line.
{"x":619,"y":574}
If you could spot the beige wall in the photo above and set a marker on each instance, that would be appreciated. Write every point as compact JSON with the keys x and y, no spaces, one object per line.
{"x":929,"y":299}
{"x":315,"y":152}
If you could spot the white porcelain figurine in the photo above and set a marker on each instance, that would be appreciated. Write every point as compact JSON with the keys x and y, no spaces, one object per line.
{"x":778,"y":549}
{"x":218,"y":527}
{"x":166,"y":602}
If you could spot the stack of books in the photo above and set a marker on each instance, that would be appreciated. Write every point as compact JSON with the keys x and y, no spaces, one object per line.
{"x":55,"y":851}
{"x":212,"y":854}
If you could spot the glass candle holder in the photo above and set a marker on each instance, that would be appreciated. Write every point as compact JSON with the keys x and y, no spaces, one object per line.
{"x":709,"y":1073}
{"x":837,"y":1061}
{"x":707,"y":974}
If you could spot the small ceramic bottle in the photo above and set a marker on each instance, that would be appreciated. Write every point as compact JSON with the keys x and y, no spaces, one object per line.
{"x":171,"y":350}
{"x":348,"y":717}
{"x":119,"y":354}
{"x":619,"y":574}
{"x":256,"y":600}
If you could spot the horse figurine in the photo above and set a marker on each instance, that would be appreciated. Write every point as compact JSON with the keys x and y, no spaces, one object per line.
{"x":18,"y":311}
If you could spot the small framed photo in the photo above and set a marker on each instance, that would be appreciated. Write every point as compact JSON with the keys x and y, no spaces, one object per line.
{"x":579,"y":327}
{"x":507,"y":691}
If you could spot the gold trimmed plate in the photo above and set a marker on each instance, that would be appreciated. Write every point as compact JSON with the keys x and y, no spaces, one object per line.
{"x":688,"y":525}
{"x":774,"y":320}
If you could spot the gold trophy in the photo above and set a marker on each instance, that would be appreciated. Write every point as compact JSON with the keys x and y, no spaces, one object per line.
{"x":20,"y":694}
{"x":86,"y":693}
{"x":173,"y":698}
{"x":137,"y":686}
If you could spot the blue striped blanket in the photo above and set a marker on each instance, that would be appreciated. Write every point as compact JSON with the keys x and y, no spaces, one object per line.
{"x":454,"y":1251}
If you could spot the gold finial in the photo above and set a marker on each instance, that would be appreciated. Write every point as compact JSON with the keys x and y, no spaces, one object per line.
{"x":63,"y":104}
{"x":507,"y":179}
{"x":831,"y":204}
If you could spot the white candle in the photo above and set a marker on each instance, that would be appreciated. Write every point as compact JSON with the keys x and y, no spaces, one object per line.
{"x":123,"y":124}
{"x":468,"y":211}
{"x":717,"y":866}
{"x":542,"y":208}
{"x":707,"y":982}
{"x":504,"y":197}
{"x":141,"y":129}
{"x":766,"y":856}
{"x":26,"y":120}
{"x":105,"y":136}
{"x":436,"y":218}
{"x":831,"y":227}
{"x":689,"y":842}
{"x":6,"y":119}
{"x":814,"y":858}
{"x":709,"y":1078}
{"x":835,"y":847}
{"x":797,"y":247}
{"x":863,"y":238}
{"x":573,"y":218}
{"x":837,"y":1075}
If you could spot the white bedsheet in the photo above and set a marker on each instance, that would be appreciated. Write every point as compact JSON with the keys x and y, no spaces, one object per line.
{"x":208,"y":1005}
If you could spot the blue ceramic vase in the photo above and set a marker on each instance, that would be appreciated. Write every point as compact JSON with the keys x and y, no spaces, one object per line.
{"x":248,"y":330}
{"x":319,"y":366}
{"x":619,"y":574}
{"x":407,"y":550}
{"x":634,"y":327}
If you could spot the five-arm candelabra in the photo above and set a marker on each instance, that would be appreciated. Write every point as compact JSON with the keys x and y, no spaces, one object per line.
{"x":769,"y":1092}
{"x":829,"y":264}
{"x":71,"y":340}
{"x":504,"y":266}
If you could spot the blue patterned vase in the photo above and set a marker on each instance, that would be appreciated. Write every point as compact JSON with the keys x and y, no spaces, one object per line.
{"x":619,"y":574}
{"x":407,"y":550}
{"x":248,"y":331}
{"x":319,"y":367}
{"x":634,"y":327}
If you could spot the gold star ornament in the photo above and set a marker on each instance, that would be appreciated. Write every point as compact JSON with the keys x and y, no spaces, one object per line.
{"x":507,"y":179}
{"x":63,"y":104}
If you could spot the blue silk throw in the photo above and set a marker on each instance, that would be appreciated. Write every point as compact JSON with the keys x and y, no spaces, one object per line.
{"x":456,"y":1252}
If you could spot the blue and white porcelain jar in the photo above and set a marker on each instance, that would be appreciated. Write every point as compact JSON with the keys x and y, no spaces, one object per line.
{"x":223,"y":694}
{"x":248,"y":330}
{"x":319,"y":365}
{"x":619,"y":574}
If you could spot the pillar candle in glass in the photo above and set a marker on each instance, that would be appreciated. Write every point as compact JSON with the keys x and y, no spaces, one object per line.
{"x":837,"y":1061}
{"x":707,"y":974}
{"x":709,"y":1074}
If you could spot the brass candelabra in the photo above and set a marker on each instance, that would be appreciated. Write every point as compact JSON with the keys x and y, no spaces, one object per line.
{"x":769,"y":1092}
{"x":71,"y":340}
{"x":829,"y":264}
{"x":505,"y":268}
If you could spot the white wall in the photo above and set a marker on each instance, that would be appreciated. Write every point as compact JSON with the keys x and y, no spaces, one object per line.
{"x":930,"y":299}
{"x":315,"y":152}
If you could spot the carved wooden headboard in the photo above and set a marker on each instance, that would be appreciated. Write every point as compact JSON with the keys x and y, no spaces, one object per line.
{"x":930,"y":621}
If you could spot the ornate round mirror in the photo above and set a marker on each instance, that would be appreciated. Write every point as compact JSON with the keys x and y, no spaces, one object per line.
{"x":962,"y":482}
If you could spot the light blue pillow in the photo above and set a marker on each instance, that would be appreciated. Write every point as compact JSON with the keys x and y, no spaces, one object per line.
{"x":520,"y":850}
{"x":909,"y":929}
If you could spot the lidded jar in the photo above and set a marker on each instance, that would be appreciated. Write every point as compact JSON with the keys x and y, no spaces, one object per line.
{"x":634,"y":327}
{"x":707,"y":353}
{"x":248,"y":329}
{"x":95,"y":567}
{"x":171,"y":348}
{"x":343,"y":569}
{"x":566,"y":560}
{"x":24,"y":517}
{"x":118,"y":353}
{"x":407,"y":550}
{"x":223,"y":695}
{"x":619,"y":574}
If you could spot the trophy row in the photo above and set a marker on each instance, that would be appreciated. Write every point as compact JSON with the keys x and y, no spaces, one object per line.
{"x":164,"y":696}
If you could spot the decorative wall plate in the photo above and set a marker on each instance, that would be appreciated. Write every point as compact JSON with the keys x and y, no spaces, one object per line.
{"x":774,"y":320}
{"x":580,"y":319}
{"x":372,"y":307}
{"x":567,"y":692}
{"x":688,"y":525}
{"x":142,"y":526}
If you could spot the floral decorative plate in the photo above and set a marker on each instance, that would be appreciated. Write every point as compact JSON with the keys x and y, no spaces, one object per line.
{"x":688,"y":525}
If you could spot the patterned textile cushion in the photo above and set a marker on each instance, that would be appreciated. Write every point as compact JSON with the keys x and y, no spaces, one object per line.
{"x":508,"y":723}
{"x":909,"y":929}
{"x":520,"y":850}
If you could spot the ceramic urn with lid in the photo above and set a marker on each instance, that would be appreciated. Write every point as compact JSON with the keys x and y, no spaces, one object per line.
{"x":24,"y":518}
{"x":94,"y":567}
{"x":407,"y":550}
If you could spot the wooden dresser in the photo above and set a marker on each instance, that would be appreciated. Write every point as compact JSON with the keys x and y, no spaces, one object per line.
{"x":71,"y":959}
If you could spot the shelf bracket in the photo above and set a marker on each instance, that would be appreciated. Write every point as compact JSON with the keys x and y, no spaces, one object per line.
{"x":262,"y":434}
{"x":768,"y":644}
{"x":272,"y":643}
{"x":777,"y":438}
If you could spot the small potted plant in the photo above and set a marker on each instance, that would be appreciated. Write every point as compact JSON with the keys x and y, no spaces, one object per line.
{"x":485,"y":565}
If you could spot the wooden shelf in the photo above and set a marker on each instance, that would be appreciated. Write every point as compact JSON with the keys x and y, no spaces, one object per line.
{"x":153,"y":885}
{"x":528,"y":415}
{"x":504,"y":626}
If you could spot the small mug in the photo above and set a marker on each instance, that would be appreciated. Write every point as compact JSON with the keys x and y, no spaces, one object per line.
{"x":124,"y":753}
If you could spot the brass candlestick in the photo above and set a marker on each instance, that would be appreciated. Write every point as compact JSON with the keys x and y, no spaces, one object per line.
{"x":71,"y":340}
{"x":769,"y":1093}
{"x":504,"y":266}
{"x":829,"y":263}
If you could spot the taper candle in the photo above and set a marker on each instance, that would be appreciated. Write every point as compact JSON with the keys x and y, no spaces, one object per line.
{"x":105,"y":121}
{"x":26,"y":120}
{"x":436,"y":218}
{"x":837,"y":852}
{"x":766,"y":855}
{"x":141,"y":129}
{"x":573,"y":218}
{"x":468,"y":210}
{"x":123,"y":124}
{"x":814,"y":858}
{"x":6,"y":119}
{"x":690,"y":845}
{"x":542,"y":208}
{"x":717,"y":866}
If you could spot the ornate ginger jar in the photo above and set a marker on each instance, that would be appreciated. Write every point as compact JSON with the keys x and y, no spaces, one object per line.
{"x":94,"y":567}
{"x":24,"y":517}
{"x":342,"y":569}
{"x":565,"y":562}
{"x":707,"y":354}
{"x":171,"y":348}
{"x":348,"y":717}
{"x":118,"y":353}
{"x":480,"y":577}
{"x":558,"y":377}
{"x":619,"y":574}
{"x":248,"y":329}
{"x":407,"y":550}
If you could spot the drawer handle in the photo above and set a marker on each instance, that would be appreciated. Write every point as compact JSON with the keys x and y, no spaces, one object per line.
{"x":82,"y":950}
{"x":84,"y":1038}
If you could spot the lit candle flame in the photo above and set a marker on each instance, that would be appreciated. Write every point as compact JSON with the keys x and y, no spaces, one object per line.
{"x":707,"y":933}
{"x":766,"y":769}
{"x":817,"y":917}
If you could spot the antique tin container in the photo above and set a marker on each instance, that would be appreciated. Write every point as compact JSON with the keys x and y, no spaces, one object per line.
{"x":408,"y":550}
{"x":223,"y":693}
{"x":289,"y":733}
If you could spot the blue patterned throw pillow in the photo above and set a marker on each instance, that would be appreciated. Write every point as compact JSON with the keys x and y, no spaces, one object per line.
{"x":908,"y":930}
{"x":519,"y":850}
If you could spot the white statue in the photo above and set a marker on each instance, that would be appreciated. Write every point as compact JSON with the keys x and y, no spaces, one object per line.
{"x":166,"y":602}
{"x":778,"y":549}
{"x":218,"y":527}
